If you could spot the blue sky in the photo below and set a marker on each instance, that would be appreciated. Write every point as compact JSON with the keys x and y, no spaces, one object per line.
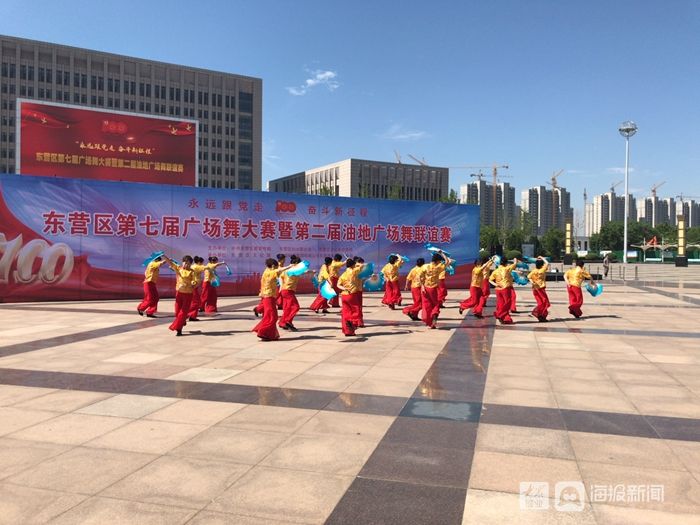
{"x":539,"y":85}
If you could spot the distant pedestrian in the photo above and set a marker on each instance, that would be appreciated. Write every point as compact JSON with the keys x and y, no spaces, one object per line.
{"x":606,"y":265}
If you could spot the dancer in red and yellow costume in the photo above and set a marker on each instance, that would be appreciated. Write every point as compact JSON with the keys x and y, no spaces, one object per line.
{"x":184,"y":284}
{"x":334,"y":274}
{"x":288,"y":292}
{"x":267,"y":327}
{"x":392,"y":290}
{"x":574,"y":278}
{"x":321,"y":303}
{"x":350,"y":286}
{"x":209,"y":293}
{"x":538,"y":278}
{"x":429,"y":299}
{"x":198,"y":268}
{"x":502,"y":278}
{"x":480,"y":270}
{"x":414,"y":280}
{"x":149,"y":305}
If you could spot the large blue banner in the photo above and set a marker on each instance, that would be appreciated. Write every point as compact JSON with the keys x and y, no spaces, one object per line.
{"x":76,"y":238}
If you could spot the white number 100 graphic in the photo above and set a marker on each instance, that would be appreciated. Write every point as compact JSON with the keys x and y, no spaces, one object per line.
{"x":27,"y":255}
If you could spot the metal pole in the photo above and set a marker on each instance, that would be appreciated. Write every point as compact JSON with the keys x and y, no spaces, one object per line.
{"x":627,"y":199}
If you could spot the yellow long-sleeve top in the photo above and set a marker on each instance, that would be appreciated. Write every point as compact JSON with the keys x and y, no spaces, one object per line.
{"x":198,"y":270}
{"x":538,"y":277}
{"x":350,"y":280}
{"x":289,"y":282}
{"x":323,"y":275}
{"x":575,"y":276}
{"x":479,"y":272}
{"x":152,"y":271}
{"x":268,"y":282}
{"x":391,"y":271}
{"x":502,"y":277}
{"x":432,"y":274}
{"x":209,"y":272}
{"x":185,"y":279}
{"x":334,"y":269}
{"x":416,"y":276}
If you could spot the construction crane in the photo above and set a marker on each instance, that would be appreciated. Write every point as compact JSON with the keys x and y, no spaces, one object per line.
{"x":613,"y":186}
{"x":682,"y":198}
{"x":478,"y":176}
{"x":421,"y":162}
{"x":656,"y":187}
{"x":494,"y":172}
{"x":555,"y":187}
{"x":398,"y":157}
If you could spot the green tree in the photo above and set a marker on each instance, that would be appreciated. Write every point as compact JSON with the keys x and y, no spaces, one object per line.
{"x":667,"y":233}
{"x":488,"y":238}
{"x":553,"y":242}
{"x":451,"y":197}
{"x":514,"y":240}
{"x":394,"y":192}
{"x":327,"y":191}
{"x":692,"y":236}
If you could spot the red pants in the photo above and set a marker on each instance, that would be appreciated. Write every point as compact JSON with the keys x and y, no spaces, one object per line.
{"x":392,"y":293}
{"x":513,"y":306}
{"x":320,"y":303}
{"x":195,"y":304}
{"x":182,"y":308}
{"x":541,"y":310}
{"x":360,"y":315}
{"x":575,"y":300}
{"x":413,"y":309}
{"x":350,"y":313}
{"x":442,"y":292}
{"x":150,"y":298}
{"x":485,"y":292}
{"x":336,"y":300}
{"x":267,"y":327}
{"x":431,"y":306}
{"x":290,"y":306}
{"x":504,"y":300}
{"x":473,"y":300}
{"x":209,"y":296}
{"x":279,"y":303}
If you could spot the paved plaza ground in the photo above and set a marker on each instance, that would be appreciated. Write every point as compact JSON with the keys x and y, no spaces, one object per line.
{"x":106,"y":417}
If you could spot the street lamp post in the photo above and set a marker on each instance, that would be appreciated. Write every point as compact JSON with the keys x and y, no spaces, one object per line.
{"x":627,"y":129}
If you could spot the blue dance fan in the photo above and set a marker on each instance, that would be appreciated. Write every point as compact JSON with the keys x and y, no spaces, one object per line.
{"x":375,"y":283}
{"x":496,"y":261}
{"x":327,"y":291}
{"x":298,"y":269}
{"x":367,"y":271}
{"x":435,"y":249}
{"x":518,"y":279}
{"x":314,"y":281}
{"x":402,"y":257}
{"x":228,"y":270}
{"x":533,"y":260}
{"x":215,"y":282}
{"x":594,"y":289}
{"x":152,"y":257}
{"x":450,"y":270}
{"x":523,"y":266}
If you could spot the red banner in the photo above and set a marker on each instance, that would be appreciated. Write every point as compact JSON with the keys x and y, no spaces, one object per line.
{"x":71,"y":141}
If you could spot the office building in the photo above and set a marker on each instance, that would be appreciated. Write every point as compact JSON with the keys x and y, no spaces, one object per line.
{"x":503,"y":214}
{"x":656,"y":211}
{"x":369,"y":179}
{"x":605,"y":208}
{"x":547,"y":208}
{"x":228,"y":107}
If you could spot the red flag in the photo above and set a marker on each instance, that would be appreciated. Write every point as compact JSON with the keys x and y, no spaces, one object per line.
{"x":40,"y":117}
{"x":176,"y":128}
